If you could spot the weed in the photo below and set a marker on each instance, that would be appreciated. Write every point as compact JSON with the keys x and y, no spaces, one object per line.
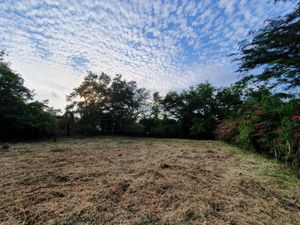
{"x":148,"y":218}
{"x":82,"y":217}
{"x":191,"y":215}
{"x":24,"y":180}
{"x":60,"y":149}
{"x":61,"y":178}
{"x":283,"y":175}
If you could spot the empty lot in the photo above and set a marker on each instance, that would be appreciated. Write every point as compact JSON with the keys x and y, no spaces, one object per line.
{"x":113,"y":180}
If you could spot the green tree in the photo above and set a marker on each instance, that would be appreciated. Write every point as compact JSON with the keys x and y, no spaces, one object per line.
{"x":228,"y":100}
{"x":195,"y":110}
{"x":200,"y":111}
{"x":109,"y":103}
{"x":19,"y":116}
{"x":172,"y":104}
{"x":127,"y":101}
{"x":90,"y":101}
{"x":274,"y":50}
{"x":156,"y":105}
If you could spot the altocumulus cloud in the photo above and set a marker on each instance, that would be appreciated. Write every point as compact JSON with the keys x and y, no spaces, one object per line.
{"x":163,"y":45}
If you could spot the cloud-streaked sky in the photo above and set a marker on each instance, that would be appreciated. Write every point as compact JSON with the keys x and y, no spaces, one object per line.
{"x":163,"y":45}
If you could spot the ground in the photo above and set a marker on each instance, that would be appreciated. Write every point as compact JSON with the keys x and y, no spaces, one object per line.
{"x":139,"y":181}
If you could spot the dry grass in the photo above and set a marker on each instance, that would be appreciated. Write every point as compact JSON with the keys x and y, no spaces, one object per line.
{"x":143,"y":181}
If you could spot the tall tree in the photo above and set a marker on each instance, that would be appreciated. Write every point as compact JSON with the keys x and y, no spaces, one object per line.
{"x":100,"y":100}
{"x":274,"y":50}
{"x":156,"y":105}
{"x":195,"y":110}
{"x":127,"y":101}
{"x":19,"y":116}
{"x":172,"y":104}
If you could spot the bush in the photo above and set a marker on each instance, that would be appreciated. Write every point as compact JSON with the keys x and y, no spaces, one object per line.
{"x":135,"y":129}
{"x":171,"y":130}
{"x":246,"y":130}
{"x":160,"y":131}
{"x":288,"y":141}
{"x":268,"y":125}
{"x":227,"y":130}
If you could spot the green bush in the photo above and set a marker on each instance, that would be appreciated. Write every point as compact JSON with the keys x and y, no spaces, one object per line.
{"x":245,"y":135}
{"x":265,"y":124}
{"x":167,"y":130}
{"x":135,"y":129}
{"x":288,"y":141}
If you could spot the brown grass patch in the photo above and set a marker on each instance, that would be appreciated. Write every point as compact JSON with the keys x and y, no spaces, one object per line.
{"x":143,"y":181}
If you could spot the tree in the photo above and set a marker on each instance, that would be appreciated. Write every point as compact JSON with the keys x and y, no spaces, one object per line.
{"x":126,"y":102}
{"x":20,"y":118}
{"x":156,"y":105}
{"x":274,"y":49}
{"x":195,"y":110}
{"x":110,"y":104}
{"x":90,"y":101}
{"x":228,"y":100}
{"x":172,"y":104}
{"x":200,"y":111}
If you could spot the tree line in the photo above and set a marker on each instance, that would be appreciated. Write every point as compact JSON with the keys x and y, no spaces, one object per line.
{"x":260,"y":111}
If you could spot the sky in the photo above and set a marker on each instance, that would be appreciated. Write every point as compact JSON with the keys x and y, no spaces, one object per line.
{"x":163,"y":45}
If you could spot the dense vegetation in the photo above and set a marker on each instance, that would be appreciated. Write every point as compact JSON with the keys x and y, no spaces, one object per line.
{"x":20,"y":117}
{"x":260,"y":112}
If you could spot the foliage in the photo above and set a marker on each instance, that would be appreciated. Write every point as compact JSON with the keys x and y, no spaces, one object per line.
{"x":227,"y":130}
{"x":275,"y":48}
{"x":265,"y":124}
{"x":19,"y":116}
{"x":194,"y":109}
{"x":135,"y":129}
{"x":106,"y":105}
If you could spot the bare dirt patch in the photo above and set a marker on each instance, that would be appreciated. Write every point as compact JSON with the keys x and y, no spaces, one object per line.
{"x":143,"y":181}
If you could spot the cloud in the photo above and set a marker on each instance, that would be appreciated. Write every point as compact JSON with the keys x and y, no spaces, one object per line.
{"x":79,"y":63}
{"x":54,"y":95}
{"x":163,"y":45}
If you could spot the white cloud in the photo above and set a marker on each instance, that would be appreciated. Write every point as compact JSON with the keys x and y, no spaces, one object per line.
{"x":161,"y":44}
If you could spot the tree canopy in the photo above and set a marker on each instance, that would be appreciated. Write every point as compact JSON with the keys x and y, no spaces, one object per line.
{"x":20,"y":117}
{"x":275,"y":52}
{"x":103,"y":102}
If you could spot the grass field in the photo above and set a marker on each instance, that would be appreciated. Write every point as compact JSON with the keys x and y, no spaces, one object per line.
{"x":141,"y":181}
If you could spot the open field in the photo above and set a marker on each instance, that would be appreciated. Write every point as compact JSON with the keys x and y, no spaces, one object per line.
{"x":143,"y":181}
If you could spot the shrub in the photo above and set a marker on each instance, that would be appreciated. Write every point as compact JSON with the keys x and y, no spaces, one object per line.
{"x":166,"y":130}
{"x":246,"y":130}
{"x":266,"y":124}
{"x":288,"y":141}
{"x":227,"y":130}
{"x":135,"y":129}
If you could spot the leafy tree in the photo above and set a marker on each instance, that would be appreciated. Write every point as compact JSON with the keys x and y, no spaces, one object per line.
{"x":200,"y":111}
{"x":20,"y":118}
{"x":127,"y":101}
{"x":90,"y":101}
{"x":110,"y":104}
{"x":228,"y":100}
{"x":40,"y":122}
{"x":172,"y":104}
{"x":156,"y":105}
{"x":275,"y":50}
{"x":194,"y":109}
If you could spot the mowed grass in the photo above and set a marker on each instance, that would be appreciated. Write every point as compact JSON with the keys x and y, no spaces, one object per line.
{"x":139,"y":181}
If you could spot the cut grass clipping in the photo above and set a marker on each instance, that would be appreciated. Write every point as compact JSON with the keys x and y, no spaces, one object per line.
{"x":143,"y":181}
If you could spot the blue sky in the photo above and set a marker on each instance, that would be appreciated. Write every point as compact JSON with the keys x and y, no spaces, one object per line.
{"x":163,"y":45}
